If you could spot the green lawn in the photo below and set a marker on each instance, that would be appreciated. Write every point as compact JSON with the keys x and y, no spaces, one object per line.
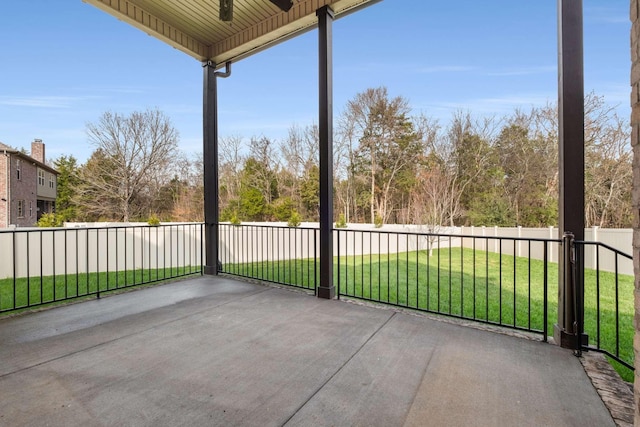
{"x":484,"y":287}
{"x":34,"y":291}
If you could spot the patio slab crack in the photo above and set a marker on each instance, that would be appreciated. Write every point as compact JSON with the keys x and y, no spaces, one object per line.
{"x":342,"y":366}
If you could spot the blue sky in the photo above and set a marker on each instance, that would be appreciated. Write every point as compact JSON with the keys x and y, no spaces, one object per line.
{"x":63,"y":63}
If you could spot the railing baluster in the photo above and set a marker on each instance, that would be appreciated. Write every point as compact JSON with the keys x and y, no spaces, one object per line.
{"x":77,"y":264}
{"x":397,"y":268}
{"x":461,"y":276}
{"x":370,"y":267}
{"x":117,"y":232}
{"x":428,"y":253}
{"x":40,"y":271}
{"x":486,"y":280}
{"x":450,"y":278}
{"x":500,"y":280}
{"x":417,"y":271}
{"x":514,"y":283}
{"x":379,"y":267}
{"x":62,"y":295}
{"x":529,"y":284}
{"x":29,"y":272}
{"x":406,"y":239}
{"x":438,"y":274}
{"x":474,"y":277}
{"x":107,"y":252}
{"x":617,"y":311}
{"x":597,"y":248}
{"x":98,"y":261}
{"x":87,"y":262}
{"x":545,"y":304}
{"x":13,"y":262}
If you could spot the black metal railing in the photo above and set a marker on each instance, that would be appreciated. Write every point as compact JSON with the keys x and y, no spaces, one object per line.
{"x":608,"y":301}
{"x":47,"y":265}
{"x":276,"y":254}
{"x":507,"y":281}
{"x":502,"y":281}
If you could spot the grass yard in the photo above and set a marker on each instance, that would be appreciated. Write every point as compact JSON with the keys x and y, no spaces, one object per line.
{"x":34,"y":291}
{"x":503,"y":290}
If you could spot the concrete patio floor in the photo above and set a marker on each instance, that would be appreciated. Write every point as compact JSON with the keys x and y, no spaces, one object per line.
{"x":216,"y":351}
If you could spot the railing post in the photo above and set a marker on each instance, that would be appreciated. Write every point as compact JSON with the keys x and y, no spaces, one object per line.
{"x":210,"y":162}
{"x":568,"y":332}
{"x":325,"y":125}
{"x":570,"y":157}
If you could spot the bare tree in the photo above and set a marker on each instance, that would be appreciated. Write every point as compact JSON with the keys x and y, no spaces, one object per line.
{"x":435,"y":199}
{"x":188,"y":202}
{"x":266,"y":163}
{"x":231,"y":161}
{"x":464,"y":154}
{"x":133,"y":154}
{"x":343,"y":158}
{"x":300,"y":154}
{"x":608,"y":176}
{"x":388,"y":144}
{"x":608,"y":167}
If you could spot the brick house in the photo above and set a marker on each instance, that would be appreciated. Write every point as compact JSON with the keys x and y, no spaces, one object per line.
{"x":28,"y":187}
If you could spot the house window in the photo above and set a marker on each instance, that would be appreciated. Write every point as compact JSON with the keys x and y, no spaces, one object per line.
{"x":40,"y":177}
{"x":51,"y":181}
{"x":20,"y":208}
{"x":18,"y":169}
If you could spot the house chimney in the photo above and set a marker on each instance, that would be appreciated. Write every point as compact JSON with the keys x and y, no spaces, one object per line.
{"x":37,"y":150}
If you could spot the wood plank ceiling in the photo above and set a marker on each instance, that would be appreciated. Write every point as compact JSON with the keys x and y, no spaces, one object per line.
{"x":194,"y":26}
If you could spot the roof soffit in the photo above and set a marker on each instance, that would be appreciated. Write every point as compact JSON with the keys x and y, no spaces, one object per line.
{"x":194,"y":27}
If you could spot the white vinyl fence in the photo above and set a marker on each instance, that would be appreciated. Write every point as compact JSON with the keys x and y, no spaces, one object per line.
{"x":620,"y":239}
{"x":255,"y":242}
{"x":87,"y":248}
{"x":83,"y":248}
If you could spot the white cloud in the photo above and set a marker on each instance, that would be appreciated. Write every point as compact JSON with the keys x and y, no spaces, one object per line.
{"x":408,"y":68}
{"x":607,"y":15}
{"x":129,"y":90}
{"x":525,"y":71}
{"x":487,"y":106}
{"x":41,"y":101}
{"x":191,"y":144}
{"x":445,"y":69}
{"x":172,"y":109}
{"x":615,"y":93}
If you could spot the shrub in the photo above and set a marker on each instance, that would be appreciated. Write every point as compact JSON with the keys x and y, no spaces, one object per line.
{"x":234,"y":220}
{"x":341,"y":222}
{"x":282,"y":209}
{"x":377,"y":221}
{"x":153,"y":221}
{"x":50,"y":220}
{"x":294,"y":219}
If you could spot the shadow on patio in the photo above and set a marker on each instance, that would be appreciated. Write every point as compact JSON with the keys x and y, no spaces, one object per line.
{"x":216,"y":351}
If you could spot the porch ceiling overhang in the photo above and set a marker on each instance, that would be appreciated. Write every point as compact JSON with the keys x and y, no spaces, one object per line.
{"x":194,"y":26}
